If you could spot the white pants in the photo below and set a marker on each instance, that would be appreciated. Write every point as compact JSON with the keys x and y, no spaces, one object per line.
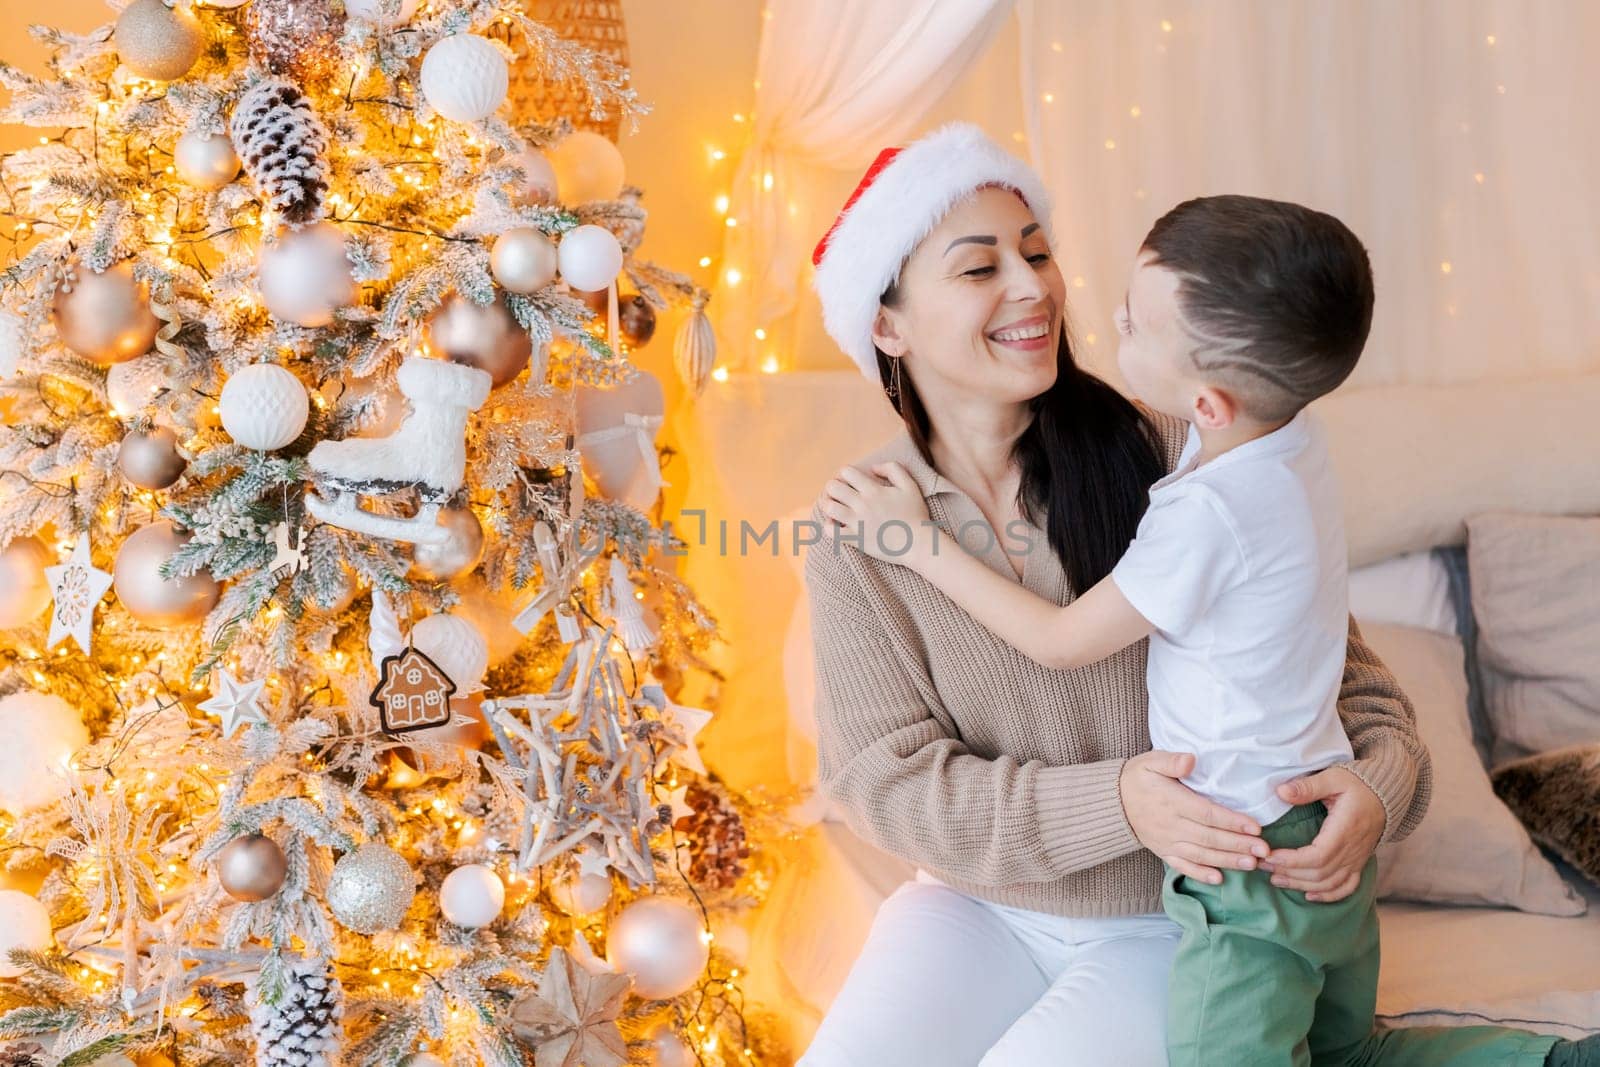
{"x":946,"y":980}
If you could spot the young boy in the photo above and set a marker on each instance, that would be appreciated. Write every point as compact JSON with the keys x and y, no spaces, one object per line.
{"x":1239,"y":312}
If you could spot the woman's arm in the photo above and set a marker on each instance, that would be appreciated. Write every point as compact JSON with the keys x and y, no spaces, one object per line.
{"x":906,"y":781}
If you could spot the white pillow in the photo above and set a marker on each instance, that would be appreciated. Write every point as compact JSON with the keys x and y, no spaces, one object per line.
{"x":1470,"y":848}
{"x":1408,"y":590}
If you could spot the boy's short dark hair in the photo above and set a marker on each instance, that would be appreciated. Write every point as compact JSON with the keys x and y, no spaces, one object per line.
{"x":1278,"y":297}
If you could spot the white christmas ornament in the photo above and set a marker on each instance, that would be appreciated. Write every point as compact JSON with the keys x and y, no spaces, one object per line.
{"x":24,"y":592}
{"x":76,"y":586}
{"x":428,"y":452}
{"x":23,"y":924}
{"x":589,"y":257}
{"x":582,"y":894}
{"x":42,"y":732}
{"x":523,"y":260}
{"x":205,"y":161}
{"x":465,"y":78}
{"x":472,"y":896}
{"x":588,"y":167}
{"x":626,"y":611}
{"x":617,"y":429}
{"x":264,"y":407}
{"x":133,"y":386}
{"x":305,"y":276}
{"x":659,"y":941}
{"x":381,"y":12}
{"x":668,"y":1049}
{"x":236,"y":702}
{"x":456,"y":646}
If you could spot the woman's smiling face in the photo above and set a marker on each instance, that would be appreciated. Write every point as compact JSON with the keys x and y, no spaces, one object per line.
{"x":980,"y":304}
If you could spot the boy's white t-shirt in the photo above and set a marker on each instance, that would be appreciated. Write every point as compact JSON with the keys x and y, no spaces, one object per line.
{"x":1240,"y":565}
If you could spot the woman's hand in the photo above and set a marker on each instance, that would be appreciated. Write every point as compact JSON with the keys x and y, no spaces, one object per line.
{"x":1193,"y":834}
{"x":1329,"y":868}
{"x":885,"y":507}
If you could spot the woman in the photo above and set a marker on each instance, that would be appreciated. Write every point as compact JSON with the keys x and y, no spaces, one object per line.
{"x":1027,"y":797}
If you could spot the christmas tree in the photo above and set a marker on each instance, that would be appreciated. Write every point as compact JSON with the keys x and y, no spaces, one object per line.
{"x":342,"y":635}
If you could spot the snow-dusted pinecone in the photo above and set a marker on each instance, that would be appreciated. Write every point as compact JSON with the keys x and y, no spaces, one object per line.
{"x":303,"y":1028}
{"x":282,"y":144}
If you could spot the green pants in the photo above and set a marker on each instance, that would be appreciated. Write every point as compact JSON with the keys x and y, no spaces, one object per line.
{"x":1265,"y":978}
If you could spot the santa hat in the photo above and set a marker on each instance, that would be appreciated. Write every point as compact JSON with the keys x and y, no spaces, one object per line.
{"x":903,"y":196}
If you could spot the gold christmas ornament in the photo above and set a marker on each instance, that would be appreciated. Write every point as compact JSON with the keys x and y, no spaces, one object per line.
{"x":252,"y":867}
{"x":453,"y":557}
{"x":150,"y":460}
{"x":24,"y":593}
{"x":523,"y":260}
{"x":637,"y":320}
{"x":104,"y":317}
{"x":156,"y":41}
{"x":205,"y":161}
{"x":371,"y":889}
{"x":484,"y":336}
{"x":298,"y":38}
{"x":150,"y":598}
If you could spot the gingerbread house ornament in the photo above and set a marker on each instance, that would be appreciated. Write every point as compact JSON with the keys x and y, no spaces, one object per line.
{"x":412,"y":694}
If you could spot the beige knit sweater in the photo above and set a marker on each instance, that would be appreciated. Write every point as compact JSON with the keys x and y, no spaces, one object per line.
{"x":948,"y":748}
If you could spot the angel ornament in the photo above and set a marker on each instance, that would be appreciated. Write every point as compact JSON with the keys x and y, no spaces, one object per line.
{"x":428,"y":453}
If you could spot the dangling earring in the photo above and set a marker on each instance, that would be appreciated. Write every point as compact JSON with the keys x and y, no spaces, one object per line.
{"x":893,"y":388}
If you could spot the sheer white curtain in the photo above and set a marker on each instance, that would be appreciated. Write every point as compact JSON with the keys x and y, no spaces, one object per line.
{"x":835,"y":82}
{"x":1459,"y":138}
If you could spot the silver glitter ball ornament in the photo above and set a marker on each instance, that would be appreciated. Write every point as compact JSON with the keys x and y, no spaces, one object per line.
{"x":296,"y":38}
{"x":150,"y":460}
{"x":454,"y":556}
{"x":523,"y":260}
{"x":480,"y":335}
{"x":252,"y":867}
{"x":371,"y":889}
{"x":156,"y":41}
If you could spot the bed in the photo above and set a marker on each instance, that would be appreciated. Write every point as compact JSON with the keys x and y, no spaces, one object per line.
{"x":1516,"y":939}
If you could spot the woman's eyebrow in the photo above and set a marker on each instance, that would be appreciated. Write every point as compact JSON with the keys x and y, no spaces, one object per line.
{"x":976,"y":239}
{"x":1030,"y":228}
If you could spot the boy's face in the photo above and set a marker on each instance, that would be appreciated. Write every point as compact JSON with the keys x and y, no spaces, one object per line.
{"x":1153,"y":349}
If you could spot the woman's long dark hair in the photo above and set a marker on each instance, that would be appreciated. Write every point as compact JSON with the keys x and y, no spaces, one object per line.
{"x":1088,"y":460}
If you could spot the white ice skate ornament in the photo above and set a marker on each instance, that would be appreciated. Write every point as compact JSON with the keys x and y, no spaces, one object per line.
{"x":553,"y":596}
{"x":427,"y":453}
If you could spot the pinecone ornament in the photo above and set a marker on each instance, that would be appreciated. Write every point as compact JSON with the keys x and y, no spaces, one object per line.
{"x":302,"y":1028}
{"x":282,"y":143}
{"x":717,"y":845}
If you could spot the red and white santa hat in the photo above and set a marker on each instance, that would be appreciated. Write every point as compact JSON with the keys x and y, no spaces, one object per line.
{"x":903,"y":196}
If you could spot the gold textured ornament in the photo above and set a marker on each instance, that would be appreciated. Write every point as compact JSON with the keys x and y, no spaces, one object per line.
{"x":156,"y":41}
{"x":294,"y":37}
{"x":484,"y":336}
{"x":252,"y":868}
{"x":104,"y":317}
{"x":371,"y":888}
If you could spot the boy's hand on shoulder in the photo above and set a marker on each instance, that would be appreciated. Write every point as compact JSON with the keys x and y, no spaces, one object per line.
{"x":885,"y":508}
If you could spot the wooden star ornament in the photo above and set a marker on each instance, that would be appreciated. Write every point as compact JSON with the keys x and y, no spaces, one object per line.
{"x":572,"y":1018}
